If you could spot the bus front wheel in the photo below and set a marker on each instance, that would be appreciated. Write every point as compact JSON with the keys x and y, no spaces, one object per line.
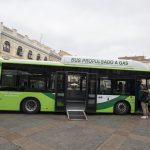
{"x":122,"y":108}
{"x":30,"y":106}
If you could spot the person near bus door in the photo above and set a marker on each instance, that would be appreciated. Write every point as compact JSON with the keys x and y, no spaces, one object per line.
{"x":143,"y":94}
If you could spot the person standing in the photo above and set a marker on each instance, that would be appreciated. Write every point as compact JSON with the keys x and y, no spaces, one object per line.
{"x":144,"y":103}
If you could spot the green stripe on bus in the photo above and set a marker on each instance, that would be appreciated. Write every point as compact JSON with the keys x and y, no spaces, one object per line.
{"x":110,"y":103}
{"x":50,"y":95}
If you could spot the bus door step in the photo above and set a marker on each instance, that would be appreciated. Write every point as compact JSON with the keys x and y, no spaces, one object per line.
{"x":76,"y":115}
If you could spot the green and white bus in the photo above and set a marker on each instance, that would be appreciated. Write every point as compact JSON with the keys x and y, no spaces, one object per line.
{"x":87,"y":85}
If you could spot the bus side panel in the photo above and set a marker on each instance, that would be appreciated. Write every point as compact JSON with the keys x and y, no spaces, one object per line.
{"x":105,"y":103}
{"x":11,"y":100}
{"x":131,"y":100}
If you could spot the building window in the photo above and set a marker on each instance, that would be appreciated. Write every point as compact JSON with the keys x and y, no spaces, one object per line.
{"x":6,"y":46}
{"x":30,"y":54}
{"x":45,"y":59}
{"x":38,"y":57}
{"x":19,"y":51}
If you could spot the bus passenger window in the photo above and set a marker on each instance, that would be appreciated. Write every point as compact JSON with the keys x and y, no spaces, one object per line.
{"x":148,"y":85}
{"x":105,"y":86}
{"x":120,"y":87}
{"x":51,"y":82}
{"x":9,"y":80}
{"x":37,"y":84}
{"x":123,"y":87}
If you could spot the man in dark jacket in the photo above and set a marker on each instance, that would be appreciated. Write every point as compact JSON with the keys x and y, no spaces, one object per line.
{"x":144,"y":103}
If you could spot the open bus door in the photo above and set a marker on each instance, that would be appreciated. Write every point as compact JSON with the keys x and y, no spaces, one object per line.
{"x":76,"y":87}
{"x":77,"y":91}
{"x":91,"y":93}
{"x":60,"y":91}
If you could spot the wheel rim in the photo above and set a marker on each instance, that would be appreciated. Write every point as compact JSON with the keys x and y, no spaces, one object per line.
{"x":122,"y":107}
{"x":31,"y":105}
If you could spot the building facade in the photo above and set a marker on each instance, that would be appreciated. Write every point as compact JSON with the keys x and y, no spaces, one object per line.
{"x":15,"y":45}
{"x":136,"y":58}
{"x":63,"y":53}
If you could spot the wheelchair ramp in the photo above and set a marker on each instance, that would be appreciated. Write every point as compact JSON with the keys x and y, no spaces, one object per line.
{"x":76,"y":115}
{"x":76,"y":111}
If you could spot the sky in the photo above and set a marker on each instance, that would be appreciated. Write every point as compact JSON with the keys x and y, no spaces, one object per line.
{"x":92,"y":28}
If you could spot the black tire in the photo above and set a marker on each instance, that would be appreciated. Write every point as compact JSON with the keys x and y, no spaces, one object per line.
{"x":122,"y":108}
{"x":30,"y":106}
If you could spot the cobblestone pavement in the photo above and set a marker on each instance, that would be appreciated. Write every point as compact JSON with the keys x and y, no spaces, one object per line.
{"x":54,"y":132}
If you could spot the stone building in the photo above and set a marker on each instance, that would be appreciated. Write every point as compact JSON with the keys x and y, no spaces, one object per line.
{"x":15,"y":45}
{"x":136,"y":58}
{"x":63,"y":53}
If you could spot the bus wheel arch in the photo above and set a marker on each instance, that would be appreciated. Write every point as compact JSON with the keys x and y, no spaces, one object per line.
{"x":30,"y":105}
{"x":122,"y":107}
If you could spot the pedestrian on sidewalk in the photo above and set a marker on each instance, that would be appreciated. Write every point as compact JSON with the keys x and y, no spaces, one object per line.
{"x":143,"y":96}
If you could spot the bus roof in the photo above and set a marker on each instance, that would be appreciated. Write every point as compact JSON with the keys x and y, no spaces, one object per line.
{"x":86,"y":62}
{"x":106,"y":63}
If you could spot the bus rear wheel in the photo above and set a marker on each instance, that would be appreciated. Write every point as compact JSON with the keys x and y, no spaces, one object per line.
{"x":122,"y":108}
{"x":30,"y":106}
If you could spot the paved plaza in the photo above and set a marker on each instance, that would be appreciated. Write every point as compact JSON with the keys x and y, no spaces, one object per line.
{"x":54,"y":132}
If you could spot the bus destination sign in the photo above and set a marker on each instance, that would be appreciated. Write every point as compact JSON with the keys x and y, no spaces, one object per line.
{"x":75,"y":60}
{"x":98,"y":61}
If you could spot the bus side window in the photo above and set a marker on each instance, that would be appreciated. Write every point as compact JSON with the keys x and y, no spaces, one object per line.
{"x":37,"y":83}
{"x":104,"y":86}
{"x":123,"y":87}
{"x":119,"y":87}
{"x":51,"y":82}
{"x":9,"y":80}
{"x":23,"y":85}
{"x":148,"y":85}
